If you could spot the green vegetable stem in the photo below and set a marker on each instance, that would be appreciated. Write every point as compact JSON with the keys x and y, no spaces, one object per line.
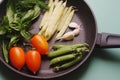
{"x":83,"y":49}
{"x":60,"y":51}
{"x":73,"y":46}
{"x":66,"y":56}
{"x":55,"y":47}
{"x":62,"y":59}
{"x":63,"y":49}
{"x":68,"y":64}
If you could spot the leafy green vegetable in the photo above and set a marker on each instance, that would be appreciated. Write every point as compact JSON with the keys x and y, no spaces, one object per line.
{"x":5,"y":51}
{"x":31,"y":14}
{"x":13,"y":40}
{"x":25,"y":34}
{"x":10,"y":11}
{"x":26,"y":4}
{"x":17,"y":21}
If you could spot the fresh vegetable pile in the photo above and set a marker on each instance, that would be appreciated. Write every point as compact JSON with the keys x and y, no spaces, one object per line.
{"x":16,"y":24}
{"x":66,"y":56}
{"x":15,"y":28}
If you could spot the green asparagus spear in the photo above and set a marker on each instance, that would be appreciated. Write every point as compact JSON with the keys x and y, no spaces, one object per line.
{"x":55,"y":47}
{"x":80,"y":45}
{"x":83,"y":49}
{"x":60,"y":51}
{"x":62,"y":59}
{"x":63,"y":49}
{"x":66,"y":56}
{"x":73,"y":46}
{"x":68,"y":64}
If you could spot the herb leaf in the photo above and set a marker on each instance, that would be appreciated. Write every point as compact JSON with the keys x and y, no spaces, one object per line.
{"x":5,"y":51}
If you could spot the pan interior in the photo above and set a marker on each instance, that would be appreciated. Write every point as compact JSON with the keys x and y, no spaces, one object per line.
{"x":84,"y":17}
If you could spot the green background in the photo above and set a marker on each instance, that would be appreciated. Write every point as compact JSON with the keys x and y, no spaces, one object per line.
{"x":104,"y":64}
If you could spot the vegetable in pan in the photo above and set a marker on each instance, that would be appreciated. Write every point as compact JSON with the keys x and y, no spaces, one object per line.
{"x":71,"y":34}
{"x":67,"y":64}
{"x":59,"y":59}
{"x":64,"y":49}
{"x":33,"y":60}
{"x":17,"y":57}
{"x":17,"y":22}
{"x":56,"y":19}
{"x":66,"y":56}
{"x":40,"y":43}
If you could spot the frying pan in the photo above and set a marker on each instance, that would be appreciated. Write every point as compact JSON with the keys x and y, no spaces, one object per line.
{"x":88,"y":34}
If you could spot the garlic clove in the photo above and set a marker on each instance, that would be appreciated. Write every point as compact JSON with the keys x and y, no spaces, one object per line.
{"x":78,"y":27}
{"x":68,"y":36}
{"x":73,"y":25}
{"x":76,"y":31}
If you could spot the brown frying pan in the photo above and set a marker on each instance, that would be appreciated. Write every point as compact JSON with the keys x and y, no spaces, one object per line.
{"x":88,"y":34}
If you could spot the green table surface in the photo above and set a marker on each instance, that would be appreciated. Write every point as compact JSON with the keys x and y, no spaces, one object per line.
{"x":104,"y":64}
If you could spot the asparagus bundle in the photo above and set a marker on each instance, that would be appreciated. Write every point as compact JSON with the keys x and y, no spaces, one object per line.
{"x":65,"y":56}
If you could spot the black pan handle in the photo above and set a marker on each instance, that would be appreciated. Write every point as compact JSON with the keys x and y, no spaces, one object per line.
{"x":107,"y":40}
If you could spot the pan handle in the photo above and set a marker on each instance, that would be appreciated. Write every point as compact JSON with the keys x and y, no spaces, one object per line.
{"x":107,"y":40}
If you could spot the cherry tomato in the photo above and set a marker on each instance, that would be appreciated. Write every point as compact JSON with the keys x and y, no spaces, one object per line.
{"x":40,"y":43}
{"x":17,"y":57}
{"x":33,"y":60}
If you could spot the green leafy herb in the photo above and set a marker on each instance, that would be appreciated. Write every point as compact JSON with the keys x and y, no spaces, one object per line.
{"x":17,"y":21}
{"x":5,"y":51}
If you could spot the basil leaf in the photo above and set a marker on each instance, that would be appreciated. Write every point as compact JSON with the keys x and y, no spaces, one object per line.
{"x":25,"y":34}
{"x":5,"y":51}
{"x":36,"y":12}
{"x":13,"y":40}
{"x":2,"y":30}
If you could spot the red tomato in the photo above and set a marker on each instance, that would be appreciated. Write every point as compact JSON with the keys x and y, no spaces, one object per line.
{"x":17,"y":57}
{"x":40,"y":43}
{"x":33,"y":60}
